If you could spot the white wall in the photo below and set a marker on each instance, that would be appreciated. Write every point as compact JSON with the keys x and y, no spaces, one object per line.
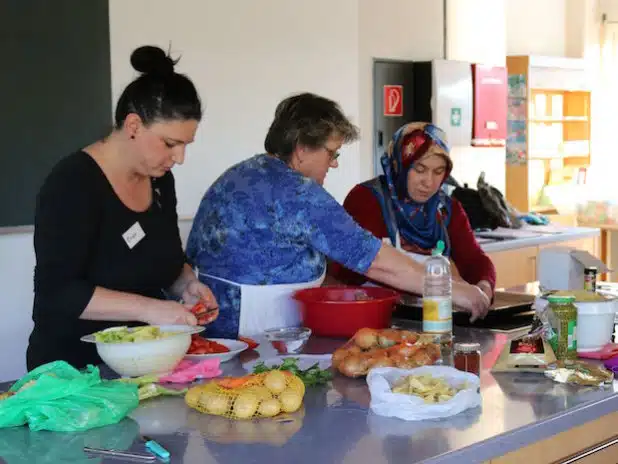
{"x":477,"y":33}
{"x":243,"y":64}
{"x":245,"y":56}
{"x":536,"y":27}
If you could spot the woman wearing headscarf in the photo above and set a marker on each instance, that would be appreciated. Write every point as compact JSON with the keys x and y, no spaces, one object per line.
{"x":408,"y":207}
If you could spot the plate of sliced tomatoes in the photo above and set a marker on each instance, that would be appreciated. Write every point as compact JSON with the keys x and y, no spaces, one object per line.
{"x":222,"y":348}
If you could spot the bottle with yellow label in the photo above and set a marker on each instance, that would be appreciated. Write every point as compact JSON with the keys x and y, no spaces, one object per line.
{"x":437,"y":293}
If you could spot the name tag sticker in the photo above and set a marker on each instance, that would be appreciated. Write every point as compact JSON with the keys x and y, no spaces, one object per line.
{"x":133,"y":235}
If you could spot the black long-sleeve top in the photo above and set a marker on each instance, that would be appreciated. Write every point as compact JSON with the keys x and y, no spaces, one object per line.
{"x":79,"y":245}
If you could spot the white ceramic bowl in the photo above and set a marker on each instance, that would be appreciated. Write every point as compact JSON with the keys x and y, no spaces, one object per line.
{"x":134,"y":359}
{"x":235,"y":346}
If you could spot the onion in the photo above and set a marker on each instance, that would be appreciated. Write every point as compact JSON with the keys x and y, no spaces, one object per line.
{"x":353,"y":366}
{"x":408,"y":336}
{"x":405,"y":349}
{"x":402,"y":362}
{"x":382,"y":362}
{"x":338,"y":356}
{"x":355,"y":350}
{"x":388,"y":337}
{"x":366,"y":338}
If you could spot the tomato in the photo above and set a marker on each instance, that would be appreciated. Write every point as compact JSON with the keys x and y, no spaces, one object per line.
{"x":252,"y":343}
{"x":279,"y":346}
{"x":200,"y":345}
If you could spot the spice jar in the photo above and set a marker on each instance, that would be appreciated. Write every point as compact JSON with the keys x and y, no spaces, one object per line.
{"x":564,"y":340}
{"x":467,"y":357}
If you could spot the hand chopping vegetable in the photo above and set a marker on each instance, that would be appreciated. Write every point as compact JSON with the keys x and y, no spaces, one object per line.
{"x":204,"y":314}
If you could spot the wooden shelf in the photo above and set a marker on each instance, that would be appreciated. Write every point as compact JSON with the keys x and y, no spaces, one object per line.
{"x":555,"y":113}
{"x":559,"y":120}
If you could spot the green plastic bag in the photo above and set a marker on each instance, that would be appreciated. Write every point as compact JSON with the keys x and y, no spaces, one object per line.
{"x":60,"y":398}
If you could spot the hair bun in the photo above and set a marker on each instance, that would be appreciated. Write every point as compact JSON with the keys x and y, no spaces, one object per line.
{"x":149,"y":59}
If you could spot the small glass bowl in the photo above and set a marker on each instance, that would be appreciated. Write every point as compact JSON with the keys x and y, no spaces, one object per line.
{"x":288,"y":340}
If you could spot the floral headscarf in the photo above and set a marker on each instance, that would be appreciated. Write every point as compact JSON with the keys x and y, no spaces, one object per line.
{"x":420,"y":224}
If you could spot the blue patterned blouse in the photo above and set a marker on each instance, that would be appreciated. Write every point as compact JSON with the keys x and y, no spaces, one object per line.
{"x":263,"y":223}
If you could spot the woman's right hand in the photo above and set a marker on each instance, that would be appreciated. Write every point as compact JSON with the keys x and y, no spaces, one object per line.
{"x":471,"y":298}
{"x":168,"y":312}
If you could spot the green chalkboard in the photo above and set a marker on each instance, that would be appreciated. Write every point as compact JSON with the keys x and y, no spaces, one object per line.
{"x":55,"y":92}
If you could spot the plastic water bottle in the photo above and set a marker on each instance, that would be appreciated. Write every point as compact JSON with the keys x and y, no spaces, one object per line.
{"x":437,"y":293}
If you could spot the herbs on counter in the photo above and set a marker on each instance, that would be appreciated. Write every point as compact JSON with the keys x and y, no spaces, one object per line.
{"x":313,"y":376}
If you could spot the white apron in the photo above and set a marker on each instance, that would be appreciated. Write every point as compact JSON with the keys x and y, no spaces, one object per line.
{"x":264,"y":307}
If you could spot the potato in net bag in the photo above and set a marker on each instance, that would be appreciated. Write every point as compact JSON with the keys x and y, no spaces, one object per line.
{"x":253,"y":396}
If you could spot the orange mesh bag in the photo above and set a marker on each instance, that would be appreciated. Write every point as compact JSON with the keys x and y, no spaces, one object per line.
{"x":250,"y":397}
{"x":371,"y":348}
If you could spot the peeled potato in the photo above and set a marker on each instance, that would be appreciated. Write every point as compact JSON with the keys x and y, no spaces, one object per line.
{"x":296,"y":384}
{"x":245,"y":405}
{"x":275,"y":381}
{"x":290,"y":400}
{"x":215,"y":403}
{"x":260,"y":391}
{"x":192,"y":397}
{"x":269,"y":408}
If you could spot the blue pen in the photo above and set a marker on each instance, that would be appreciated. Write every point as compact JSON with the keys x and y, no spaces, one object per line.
{"x":156,"y":448}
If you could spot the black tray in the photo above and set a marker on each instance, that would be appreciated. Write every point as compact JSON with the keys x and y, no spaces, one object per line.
{"x":509,"y":312}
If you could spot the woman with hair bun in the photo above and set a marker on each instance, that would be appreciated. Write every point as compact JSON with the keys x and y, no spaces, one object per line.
{"x":106,"y":239}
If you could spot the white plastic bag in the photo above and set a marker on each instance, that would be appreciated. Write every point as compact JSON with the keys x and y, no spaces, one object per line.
{"x":409,"y":407}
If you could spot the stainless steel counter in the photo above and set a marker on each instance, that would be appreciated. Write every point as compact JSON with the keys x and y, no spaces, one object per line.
{"x":335,"y":425}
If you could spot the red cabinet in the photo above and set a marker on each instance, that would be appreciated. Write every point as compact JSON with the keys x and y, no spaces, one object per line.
{"x":490,"y":105}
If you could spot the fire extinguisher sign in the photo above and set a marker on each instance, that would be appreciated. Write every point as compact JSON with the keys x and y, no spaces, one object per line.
{"x":393,"y":100}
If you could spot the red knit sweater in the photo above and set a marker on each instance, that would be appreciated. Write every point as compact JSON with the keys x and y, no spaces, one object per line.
{"x":470,"y":260}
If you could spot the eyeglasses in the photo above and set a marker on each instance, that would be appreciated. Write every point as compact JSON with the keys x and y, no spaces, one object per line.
{"x":334,"y":154}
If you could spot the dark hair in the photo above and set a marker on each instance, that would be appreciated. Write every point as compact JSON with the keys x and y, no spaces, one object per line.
{"x":159,"y":94}
{"x":306,"y":119}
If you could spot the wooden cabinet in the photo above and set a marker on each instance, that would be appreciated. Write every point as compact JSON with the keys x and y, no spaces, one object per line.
{"x":595,"y":442}
{"x":515,"y":267}
{"x":518,"y":266}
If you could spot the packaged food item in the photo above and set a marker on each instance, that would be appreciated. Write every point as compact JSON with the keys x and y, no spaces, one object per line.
{"x":580,"y":373}
{"x":563,"y":318}
{"x":371,"y":348}
{"x":252,"y":396}
{"x":530,"y":353}
{"x":590,"y":279}
{"x":467,"y":357}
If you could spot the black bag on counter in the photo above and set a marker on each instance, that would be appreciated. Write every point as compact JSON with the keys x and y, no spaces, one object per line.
{"x":473,"y":206}
{"x":486,"y":207}
{"x":497,"y":206}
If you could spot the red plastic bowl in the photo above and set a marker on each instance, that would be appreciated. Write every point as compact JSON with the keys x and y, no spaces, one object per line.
{"x":338,"y":312}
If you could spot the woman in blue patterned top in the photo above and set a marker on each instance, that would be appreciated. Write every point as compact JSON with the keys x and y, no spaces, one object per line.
{"x":266,"y":227}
